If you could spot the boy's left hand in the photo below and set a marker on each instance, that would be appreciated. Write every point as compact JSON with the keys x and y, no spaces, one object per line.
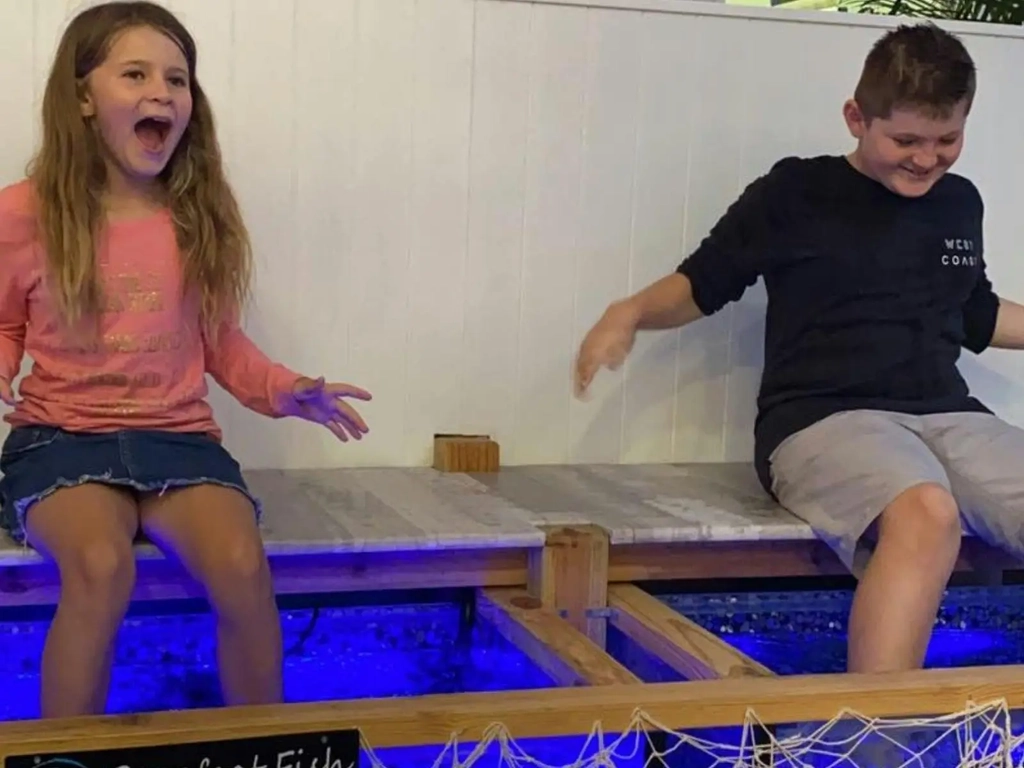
{"x":317,"y":401}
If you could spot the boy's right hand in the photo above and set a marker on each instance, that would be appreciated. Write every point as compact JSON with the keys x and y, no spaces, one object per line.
{"x":607,"y":344}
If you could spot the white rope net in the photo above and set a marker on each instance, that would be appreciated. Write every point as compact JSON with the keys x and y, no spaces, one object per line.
{"x":976,"y":737}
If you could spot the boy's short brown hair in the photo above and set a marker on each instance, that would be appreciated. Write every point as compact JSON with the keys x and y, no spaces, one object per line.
{"x":918,"y":67}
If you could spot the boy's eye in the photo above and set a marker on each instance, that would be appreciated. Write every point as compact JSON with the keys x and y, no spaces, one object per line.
{"x":904,"y":142}
{"x":134,"y":74}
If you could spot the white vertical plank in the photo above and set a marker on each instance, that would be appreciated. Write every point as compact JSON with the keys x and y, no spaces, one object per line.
{"x":378,"y":282}
{"x":766,"y":95}
{"x":50,"y":18}
{"x":260,"y":122}
{"x":665,"y":114}
{"x":713,"y":183}
{"x":212,"y":27}
{"x":991,"y":148}
{"x":823,"y":90}
{"x":983,"y":149}
{"x":324,"y":93}
{"x":602,"y":253}
{"x":17,"y":96}
{"x":551,"y":224}
{"x":442,"y":106}
{"x":501,"y":84}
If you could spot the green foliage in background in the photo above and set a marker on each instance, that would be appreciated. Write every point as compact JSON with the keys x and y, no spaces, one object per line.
{"x":991,"y":11}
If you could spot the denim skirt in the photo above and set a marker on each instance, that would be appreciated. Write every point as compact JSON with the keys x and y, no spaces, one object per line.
{"x":37,"y":460}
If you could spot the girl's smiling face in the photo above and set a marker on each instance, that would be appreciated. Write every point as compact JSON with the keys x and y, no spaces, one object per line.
{"x":140,"y":101}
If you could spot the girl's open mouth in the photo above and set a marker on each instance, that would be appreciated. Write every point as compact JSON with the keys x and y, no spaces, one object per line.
{"x":152,"y":132}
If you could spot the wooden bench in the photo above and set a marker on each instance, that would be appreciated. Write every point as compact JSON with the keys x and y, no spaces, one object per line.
{"x":400,"y":528}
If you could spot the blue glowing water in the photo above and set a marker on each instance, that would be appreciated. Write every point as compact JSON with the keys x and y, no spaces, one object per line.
{"x":167,"y":661}
{"x":976,"y":626}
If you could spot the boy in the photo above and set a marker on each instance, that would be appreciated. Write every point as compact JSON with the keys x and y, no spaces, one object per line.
{"x":875,"y":279}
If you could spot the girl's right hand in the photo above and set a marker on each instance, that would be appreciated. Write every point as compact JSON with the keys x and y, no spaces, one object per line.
{"x":7,"y":393}
{"x":607,"y":345}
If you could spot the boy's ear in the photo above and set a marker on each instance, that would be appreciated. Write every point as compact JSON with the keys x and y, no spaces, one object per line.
{"x":854,"y":117}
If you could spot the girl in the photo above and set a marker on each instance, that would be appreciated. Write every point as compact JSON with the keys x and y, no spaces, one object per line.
{"x":124,"y":265}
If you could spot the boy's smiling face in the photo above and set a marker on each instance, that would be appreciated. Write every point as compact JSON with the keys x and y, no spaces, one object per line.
{"x":909,"y":150}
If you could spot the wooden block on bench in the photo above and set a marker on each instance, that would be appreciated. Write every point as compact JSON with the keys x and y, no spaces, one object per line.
{"x":466,"y":453}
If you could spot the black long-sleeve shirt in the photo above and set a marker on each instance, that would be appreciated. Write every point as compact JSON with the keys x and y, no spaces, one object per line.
{"x":871,"y":295}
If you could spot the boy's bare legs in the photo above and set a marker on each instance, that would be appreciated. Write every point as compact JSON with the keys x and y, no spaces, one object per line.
{"x":898,"y":597}
{"x":88,"y":530}
{"x":213,"y":531}
{"x":871,"y":471}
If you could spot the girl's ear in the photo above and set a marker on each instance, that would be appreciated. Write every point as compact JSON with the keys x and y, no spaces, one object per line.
{"x":85,"y":101}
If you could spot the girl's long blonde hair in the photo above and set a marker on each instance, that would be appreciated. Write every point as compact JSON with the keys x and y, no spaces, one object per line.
{"x":69,"y":177}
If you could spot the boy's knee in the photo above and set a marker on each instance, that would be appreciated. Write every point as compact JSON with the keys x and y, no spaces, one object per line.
{"x":924,"y":521}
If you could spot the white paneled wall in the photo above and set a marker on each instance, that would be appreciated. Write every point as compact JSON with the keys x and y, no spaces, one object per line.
{"x":445,"y":194}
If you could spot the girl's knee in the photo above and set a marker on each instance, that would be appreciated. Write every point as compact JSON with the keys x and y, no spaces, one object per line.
{"x":239,"y":577}
{"x":99,"y":574}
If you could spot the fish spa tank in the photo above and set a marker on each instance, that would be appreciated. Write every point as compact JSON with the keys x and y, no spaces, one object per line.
{"x":432,"y":642}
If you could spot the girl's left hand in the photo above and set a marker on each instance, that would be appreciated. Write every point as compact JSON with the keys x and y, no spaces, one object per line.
{"x":322,"y":403}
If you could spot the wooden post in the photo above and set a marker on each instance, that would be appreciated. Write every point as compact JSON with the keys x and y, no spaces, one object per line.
{"x":570,"y":575}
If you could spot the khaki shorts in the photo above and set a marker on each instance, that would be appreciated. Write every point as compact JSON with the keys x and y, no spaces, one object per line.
{"x":840,"y":473}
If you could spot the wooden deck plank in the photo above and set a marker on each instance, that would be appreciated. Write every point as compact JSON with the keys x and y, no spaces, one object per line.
{"x":367,"y":510}
{"x":649,"y":503}
{"x":393,"y":508}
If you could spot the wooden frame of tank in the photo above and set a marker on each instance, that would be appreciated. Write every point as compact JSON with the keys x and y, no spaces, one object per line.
{"x":554,"y":602}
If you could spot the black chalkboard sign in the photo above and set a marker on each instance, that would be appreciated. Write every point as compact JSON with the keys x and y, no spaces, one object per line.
{"x":335,"y":749}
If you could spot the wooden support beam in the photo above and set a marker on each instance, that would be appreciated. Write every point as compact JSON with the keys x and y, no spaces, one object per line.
{"x":160,"y":579}
{"x":629,"y":563}
{"x":685,"y":646}
{"x":712,"y":560}
{"x":552,"y":643}
{"x":541,"y":713}
{"x":570,"y":575}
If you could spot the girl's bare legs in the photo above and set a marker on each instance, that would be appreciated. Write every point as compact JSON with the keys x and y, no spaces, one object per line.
{"x":212,"y":530}
{"x":88,"y":530}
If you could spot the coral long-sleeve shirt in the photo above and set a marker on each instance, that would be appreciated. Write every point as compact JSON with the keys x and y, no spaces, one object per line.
{"x":146,"y":369}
